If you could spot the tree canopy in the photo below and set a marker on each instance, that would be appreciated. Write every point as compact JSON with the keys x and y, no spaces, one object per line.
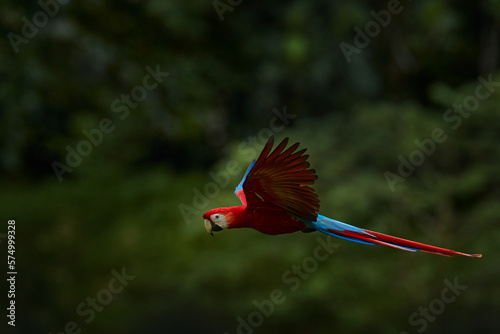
{"x":123,"y":121}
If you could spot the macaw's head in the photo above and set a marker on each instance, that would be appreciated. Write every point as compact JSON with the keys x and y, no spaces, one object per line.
{"x":217,"y":220}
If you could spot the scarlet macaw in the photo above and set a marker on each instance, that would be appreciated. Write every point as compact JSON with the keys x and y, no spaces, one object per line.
{"x":277,"y":198}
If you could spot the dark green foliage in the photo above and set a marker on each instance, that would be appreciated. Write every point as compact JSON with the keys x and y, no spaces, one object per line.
{"x":124,"y":204}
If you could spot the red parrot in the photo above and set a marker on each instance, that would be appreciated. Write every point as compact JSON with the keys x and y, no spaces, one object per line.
{"x":277,"y":198}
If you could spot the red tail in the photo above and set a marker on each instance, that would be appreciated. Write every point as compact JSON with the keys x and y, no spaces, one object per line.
{"x":394,"y":242}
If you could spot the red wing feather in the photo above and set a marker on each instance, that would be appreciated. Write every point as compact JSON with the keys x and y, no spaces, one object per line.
{"x":282,"y":178}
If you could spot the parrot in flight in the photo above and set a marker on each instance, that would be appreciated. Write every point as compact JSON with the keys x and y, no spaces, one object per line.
{"x":277,"y":198}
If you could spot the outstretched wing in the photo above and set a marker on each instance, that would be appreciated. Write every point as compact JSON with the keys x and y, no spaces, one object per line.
{"x":280,"y":178}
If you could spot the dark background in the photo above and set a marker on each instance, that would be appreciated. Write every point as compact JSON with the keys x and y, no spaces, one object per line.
{"x":131,"y":202}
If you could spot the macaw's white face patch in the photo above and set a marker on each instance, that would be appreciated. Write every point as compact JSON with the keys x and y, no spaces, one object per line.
{"x":217,"y":222}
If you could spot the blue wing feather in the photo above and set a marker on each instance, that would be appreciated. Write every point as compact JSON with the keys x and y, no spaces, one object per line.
{"x":239,"y":189}
{"x":240,"y":186}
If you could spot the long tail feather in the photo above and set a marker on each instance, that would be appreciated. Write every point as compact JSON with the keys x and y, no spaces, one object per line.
{"x":356,"y":234}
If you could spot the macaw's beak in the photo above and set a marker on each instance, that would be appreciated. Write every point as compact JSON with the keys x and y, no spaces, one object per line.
{"x":212,"y":227}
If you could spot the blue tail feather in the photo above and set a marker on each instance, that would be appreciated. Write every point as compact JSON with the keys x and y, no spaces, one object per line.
{"x":327,"y":225}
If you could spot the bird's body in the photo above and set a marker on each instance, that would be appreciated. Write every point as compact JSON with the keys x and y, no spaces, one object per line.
{"x":277,"y":198}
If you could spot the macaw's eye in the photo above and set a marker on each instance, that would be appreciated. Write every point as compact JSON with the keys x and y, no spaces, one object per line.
{"x":216,"y":216}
